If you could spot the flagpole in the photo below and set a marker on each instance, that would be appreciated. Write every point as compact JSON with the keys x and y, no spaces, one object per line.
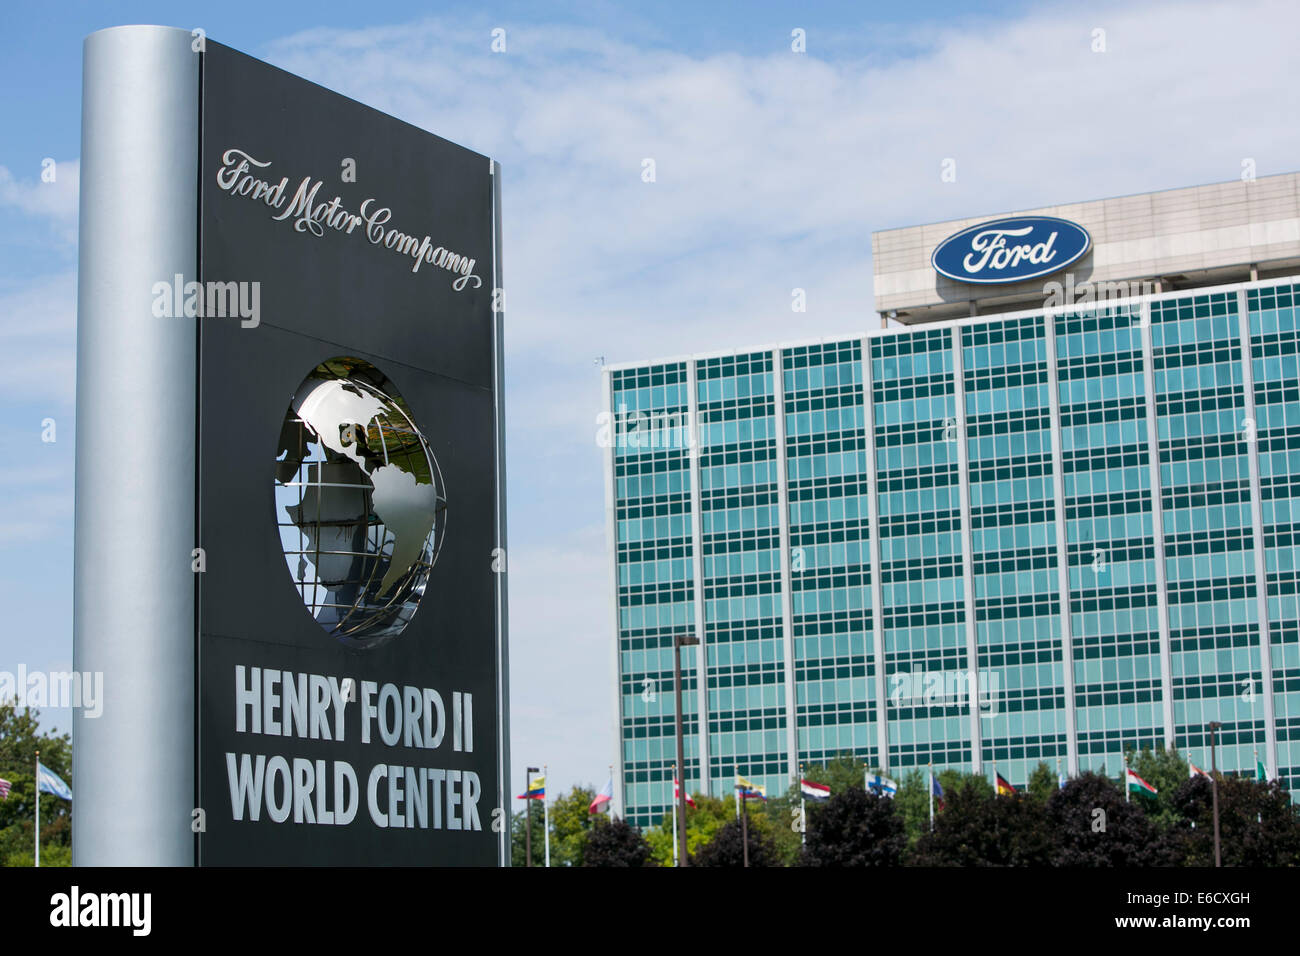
{"x":1126,"y":796}
{"x":744,"y":827}
{"x":676,"y":783}
{"x":528,"y":814}
{"x":803,"y":811}
{"x":1259,"y":817}
{"x":38,"y":808}
{"x":930,"y":767}
{"x":546,"y":821}
{"x":675,"y":863}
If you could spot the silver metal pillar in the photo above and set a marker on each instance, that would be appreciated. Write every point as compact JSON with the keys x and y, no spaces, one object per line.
{"x":133,"y":588}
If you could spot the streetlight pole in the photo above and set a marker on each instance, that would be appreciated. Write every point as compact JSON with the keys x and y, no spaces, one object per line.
{"x":1214,"y":791}
{"x":528,"y":816}
{"x":680,"y":641}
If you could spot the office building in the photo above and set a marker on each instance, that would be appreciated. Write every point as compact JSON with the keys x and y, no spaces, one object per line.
{"x":1049,"y":513}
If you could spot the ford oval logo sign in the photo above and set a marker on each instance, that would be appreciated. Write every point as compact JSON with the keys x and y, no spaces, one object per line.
{"x":1011,"y":250}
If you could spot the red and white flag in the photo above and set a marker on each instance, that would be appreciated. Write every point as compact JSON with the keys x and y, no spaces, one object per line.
{"x":4,"y":789}
{"x":603,"y":799}
{"x":814,"y":791}
{"x":677,"y":794}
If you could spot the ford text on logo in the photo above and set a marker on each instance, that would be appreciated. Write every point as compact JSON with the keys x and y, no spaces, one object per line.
{"x":1010,"y":250}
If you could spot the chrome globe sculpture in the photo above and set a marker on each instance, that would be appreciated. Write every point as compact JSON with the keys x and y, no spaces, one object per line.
{"x":360,"y":503}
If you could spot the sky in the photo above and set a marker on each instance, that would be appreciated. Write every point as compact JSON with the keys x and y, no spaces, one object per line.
{"x":772,"y":170}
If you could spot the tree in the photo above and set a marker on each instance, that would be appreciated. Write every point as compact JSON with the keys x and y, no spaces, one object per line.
{"x":519,"y":837}
{"x":1258,"y":824}
{"x":1092,"y":825}
{"x":571,"y":822}
{"x":854,"y":828}
{"x":727,"y":848}
{"x":843,"y":772}
{"x":1043,"y":782}
{"x":1166,"y":770}
{"x":20,"y":738}
{"x":616,"y":843}
{"x":703,"y":821}
{"x":912,"y":804}
{"x":778,"y":816}
{"x":978,"y":829}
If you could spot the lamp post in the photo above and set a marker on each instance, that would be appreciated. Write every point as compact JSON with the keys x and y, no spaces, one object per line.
{"x":1214,"y":791}
{"x":680,"y":641}
{"x":528,"y":816}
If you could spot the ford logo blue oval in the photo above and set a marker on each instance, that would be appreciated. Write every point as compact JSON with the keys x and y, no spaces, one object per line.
{"x":1011,"y":250}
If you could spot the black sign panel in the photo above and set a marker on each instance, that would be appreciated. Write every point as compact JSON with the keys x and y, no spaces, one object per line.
{"x":347,"y":636}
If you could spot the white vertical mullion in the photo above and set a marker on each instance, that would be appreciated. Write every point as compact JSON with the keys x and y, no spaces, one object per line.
{"x":787,"y":611}
{"x":499,"y":481}
{"x":1257,"y":530}
{"x":1157,"y":523}
{"x":611,"y":543}
{"x":877,"y":604}
{"x":697,"y":566}
{"x":1062,"y":551}
{"x":967,"y":553}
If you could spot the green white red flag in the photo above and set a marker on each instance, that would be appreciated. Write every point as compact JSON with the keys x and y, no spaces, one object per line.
{"x":1137,"y":785}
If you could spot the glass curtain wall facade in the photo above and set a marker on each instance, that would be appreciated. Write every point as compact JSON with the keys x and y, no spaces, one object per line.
{"x":992,"y":542}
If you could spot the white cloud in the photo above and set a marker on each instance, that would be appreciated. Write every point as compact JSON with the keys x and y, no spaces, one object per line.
{"x":38,"y":328}
{"x":772,"y":172}
{"x":561,"y":674}
{"x":53,"y":201}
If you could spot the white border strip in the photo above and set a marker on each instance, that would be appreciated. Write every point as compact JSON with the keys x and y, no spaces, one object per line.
{"x":877,"y":589}
{"x":967,"y":551}
{"x":783,"y":531}
{"x":1062,"y":549}
{"x":1257,"y":530}
{"x":1158,"y":526}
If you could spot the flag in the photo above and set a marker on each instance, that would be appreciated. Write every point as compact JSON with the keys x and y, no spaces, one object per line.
{"x":1137,"y":785}
{"x":677,"y":794}
{"x":536,"y":790}
{"x":4,"y":789}
{"x":49,"y":782}
{"x":882,"y":786}
{"x":936,"y":789}
{"x":1000,"y":782}
{"x":1194,"y":771}
{"x":1260,"y":772}
{"x":604,"y":798}
{"x":814,"y":791}
{"x":749,"y":791}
